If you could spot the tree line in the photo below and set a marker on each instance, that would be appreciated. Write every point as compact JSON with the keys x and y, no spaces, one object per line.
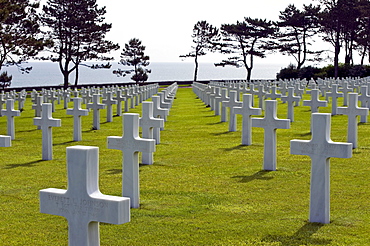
{"x":63,"y":31}
{"x":344,"y":24}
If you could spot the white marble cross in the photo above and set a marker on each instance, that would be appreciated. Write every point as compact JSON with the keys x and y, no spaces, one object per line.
{"x":246,"y":110}
{"x":334,"y":94}
{"x":290,"y":98}
{"x":233,"y":102}
{"x":109,"y":101}
{"x":77,"y":112}
{"x":352,"y":111}
{"x":96,"y":106}
{"x":46,"y":122}
{"x":10,"y":113}
{"x":224,"y":98}
{"x":270,"y":123}
{"x":315,"y":102}
{"x":320,"y":148}
{"x":261,"y":97}
{"x":364,"y":98}
{"x":149,"y":125}
{"x":346,"y":90}
{"x":120,"y":98}
{"x":273,"y":95}
{"x":131,"y":144}
{"x":82,"y":204}
{"x":157,"y":110}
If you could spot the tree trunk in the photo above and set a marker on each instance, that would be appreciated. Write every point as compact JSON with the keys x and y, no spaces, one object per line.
{"x":336,"y":55}
{"x":249,"y":73}
{"x":196,"y":68}
{"x":77,"y":74}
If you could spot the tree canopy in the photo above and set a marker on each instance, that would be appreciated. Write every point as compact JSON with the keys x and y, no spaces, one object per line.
{"x":19,"y":35}
{"x":133,"y":55}
{"x":78,"y":30}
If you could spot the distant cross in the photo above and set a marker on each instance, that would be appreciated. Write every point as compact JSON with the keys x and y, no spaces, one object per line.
{"x":364,"y":98}
{"x":346,"y":90}
{"x":261,"y":97}
{"x":270,"y":123}
{"x":315,"y":102}
{"x":290,"y":98}
{"x":246,"y":110}
{"x":159,"y":112}
{"x":66,"y":98}
{"x":127,"y":96}
{"x":251,"y":91}
{"x":334,"y":94}
{"x":37,"y":106}
{"x":109,"y":101}
{"x":46,"y":122}
{"x":10,"y":113}
{"x":2,"y":102}
{"x":224,"y":99}
{"x":320,"y":148}
{"x":120,"y":98}
{"x":233,"y":102}
{"x":82,"y":204}
{"x":52,"y":98}
{"x":352,"y":111}
{"x":131,"y":144}
{"x":149,"y":125}
{"x":217,"y":100}
{"x":96,"y":106}
{"x":283,"y":88}
{"x":273,"y":95}
{"x":77,"y":112}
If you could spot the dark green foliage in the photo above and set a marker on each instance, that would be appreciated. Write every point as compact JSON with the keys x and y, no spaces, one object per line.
{"x":246,"y":40}
{"x":344,"y":71}
{"x":296,"y":30}
{"x":133,"y":55}
{"x":5,"y":80}
{"x":78,"y":31}
{"x":19,"y":35}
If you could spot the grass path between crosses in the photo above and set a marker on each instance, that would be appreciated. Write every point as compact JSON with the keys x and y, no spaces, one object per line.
{"x":204,"y":187}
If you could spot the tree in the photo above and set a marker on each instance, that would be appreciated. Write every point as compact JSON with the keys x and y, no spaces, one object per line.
{"x":19,"y":35}
{"x":204,"y":36}
{"x":78,"y":30}
{"x":133,"y":55}
{"x":247,"y":39}
{"x":296,"y":29}
{"x":340,"y":24}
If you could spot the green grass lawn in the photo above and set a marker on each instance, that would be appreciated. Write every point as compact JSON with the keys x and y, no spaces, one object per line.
{"x":204,"y":188}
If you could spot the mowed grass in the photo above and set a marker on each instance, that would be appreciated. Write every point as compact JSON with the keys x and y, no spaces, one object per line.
{"x":204,"y":187}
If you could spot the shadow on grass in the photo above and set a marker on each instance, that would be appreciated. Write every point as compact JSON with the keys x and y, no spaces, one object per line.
{"x":216,"y":123}
{"x":257,"y":176}
{"x":114,"y":171}
{"x":303,"y":134}
{"x":220,"y":133}
{"x":27,"y":164}
{"x":64,"y":143}
{"x":28,"y":130}
{"x":241,"y":146}
{"x":302,"y":237}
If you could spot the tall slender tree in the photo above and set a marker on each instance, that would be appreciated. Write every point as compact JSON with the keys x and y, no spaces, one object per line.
{"x":204,"y":38}
{"x":78,"y":30}
{"x":296,"y":30}
{"x":247,"y":39}
{"x":133,"y":55}
{"x":19,"y":35}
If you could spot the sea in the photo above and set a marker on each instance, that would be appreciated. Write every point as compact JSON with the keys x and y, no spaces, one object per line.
{"x":48,"y":74}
